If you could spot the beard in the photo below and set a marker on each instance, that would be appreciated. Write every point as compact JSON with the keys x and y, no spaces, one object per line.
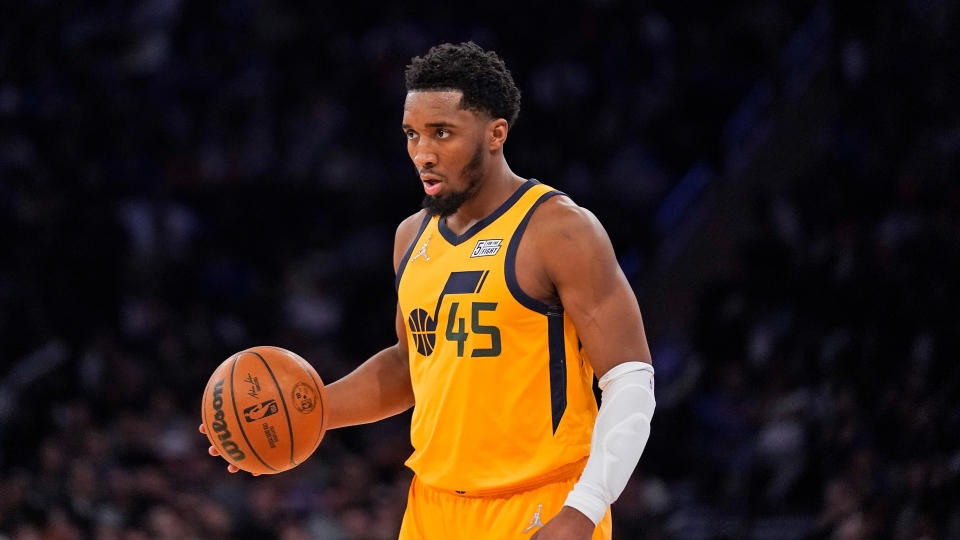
{"x":445,"y":205}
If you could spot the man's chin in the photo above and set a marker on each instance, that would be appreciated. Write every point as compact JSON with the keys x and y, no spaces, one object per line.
{"x":444,"y":205}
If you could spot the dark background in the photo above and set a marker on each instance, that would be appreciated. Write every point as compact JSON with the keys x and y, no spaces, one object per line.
{"x":182,"y":180}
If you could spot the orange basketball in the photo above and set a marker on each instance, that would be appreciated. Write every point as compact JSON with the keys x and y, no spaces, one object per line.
{"x":263,"y":409}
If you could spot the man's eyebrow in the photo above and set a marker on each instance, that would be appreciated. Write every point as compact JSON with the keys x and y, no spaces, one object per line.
{"x":431,"y":124}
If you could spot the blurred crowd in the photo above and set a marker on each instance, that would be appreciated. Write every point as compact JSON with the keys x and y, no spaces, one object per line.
{"x":819,"y":381}
{"x":179,"y":181}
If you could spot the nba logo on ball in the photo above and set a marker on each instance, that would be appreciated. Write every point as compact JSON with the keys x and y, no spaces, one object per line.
{"x":261,"y":410}
{"x":304,"y":399}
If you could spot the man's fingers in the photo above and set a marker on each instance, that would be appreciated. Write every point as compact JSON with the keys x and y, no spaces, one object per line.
{"x":214,"y":452}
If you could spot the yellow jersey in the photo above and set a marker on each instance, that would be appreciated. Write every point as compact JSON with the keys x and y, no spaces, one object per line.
{"x":504,"y":398}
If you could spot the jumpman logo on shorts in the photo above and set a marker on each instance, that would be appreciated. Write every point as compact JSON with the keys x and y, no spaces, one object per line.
{"x":423,"y":250}
{"x":535,"y":520}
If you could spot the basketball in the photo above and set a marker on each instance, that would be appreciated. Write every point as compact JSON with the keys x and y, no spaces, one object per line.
{"x":263,"y":409}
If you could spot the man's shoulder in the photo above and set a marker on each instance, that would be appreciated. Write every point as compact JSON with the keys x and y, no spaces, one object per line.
{"x":559,"y":217}
{"x":564,"y":236}
{"x":410,"y":224}
{"x":406,"y":233}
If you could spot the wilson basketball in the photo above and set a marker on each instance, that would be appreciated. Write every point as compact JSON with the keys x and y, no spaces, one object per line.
{"x":263,"y":409}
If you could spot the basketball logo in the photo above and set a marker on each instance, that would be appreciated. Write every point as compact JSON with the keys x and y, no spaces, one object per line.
{"x":304,"y":398}
{"x":424,"y":330}
{"x":261,"y":410}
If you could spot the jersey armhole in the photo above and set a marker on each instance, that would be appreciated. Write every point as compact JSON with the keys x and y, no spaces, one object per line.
{"x":413,"y":243}
{"x":510,"y":264}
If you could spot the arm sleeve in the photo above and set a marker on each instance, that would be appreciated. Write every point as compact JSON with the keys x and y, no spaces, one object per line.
{"x":619,"y":435}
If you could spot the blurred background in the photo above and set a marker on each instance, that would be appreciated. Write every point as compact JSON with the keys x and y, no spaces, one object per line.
{"x":182,"y":180}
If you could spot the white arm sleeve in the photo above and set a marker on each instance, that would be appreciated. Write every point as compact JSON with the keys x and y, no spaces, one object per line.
{"x":619,"y":435}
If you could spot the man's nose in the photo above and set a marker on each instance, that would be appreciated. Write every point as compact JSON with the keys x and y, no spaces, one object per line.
{"x":424,"y":157}
{"x":424,"y":160}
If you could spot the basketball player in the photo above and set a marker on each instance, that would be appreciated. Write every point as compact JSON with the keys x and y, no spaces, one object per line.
{"x":510,"y":300}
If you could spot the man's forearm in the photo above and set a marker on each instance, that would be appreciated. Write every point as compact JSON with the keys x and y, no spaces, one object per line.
{"x":620,"y":433}
{"x":378,"y":389}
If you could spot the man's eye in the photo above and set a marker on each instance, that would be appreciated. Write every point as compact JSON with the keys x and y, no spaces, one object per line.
{"x":411,"y":134}
{"x":442,"y":133}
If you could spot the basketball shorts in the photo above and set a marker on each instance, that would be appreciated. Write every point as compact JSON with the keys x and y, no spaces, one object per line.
{"x":434,"y":514}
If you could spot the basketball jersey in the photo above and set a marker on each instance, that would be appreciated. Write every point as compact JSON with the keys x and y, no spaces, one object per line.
{"x":503,"y":395}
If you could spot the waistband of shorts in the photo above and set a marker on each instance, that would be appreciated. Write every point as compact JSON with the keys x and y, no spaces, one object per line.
{"x":561,"y":474}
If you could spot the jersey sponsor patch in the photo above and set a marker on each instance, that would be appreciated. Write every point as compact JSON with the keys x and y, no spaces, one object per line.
{"x":486,"y":248}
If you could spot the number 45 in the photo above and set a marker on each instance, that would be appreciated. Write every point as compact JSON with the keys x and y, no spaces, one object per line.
{"x":460,"y":335}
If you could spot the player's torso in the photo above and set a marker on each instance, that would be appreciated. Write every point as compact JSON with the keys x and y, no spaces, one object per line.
{"x":503,"y":396}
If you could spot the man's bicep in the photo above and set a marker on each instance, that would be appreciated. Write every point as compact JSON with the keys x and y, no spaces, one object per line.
{"x":594,"y":292}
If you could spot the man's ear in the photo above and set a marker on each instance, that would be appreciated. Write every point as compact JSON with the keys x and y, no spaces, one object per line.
{"x":497,"y":133}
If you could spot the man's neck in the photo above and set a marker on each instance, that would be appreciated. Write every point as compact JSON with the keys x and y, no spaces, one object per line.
{"x":494,"y":191}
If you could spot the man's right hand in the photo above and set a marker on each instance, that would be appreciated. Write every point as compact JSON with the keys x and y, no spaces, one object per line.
{"x":214,"y":452}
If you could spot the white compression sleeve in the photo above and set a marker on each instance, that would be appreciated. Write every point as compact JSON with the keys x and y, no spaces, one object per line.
{"x":619,"y":435}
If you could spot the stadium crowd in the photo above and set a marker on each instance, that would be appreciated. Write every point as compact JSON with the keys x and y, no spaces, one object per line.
{"x":179,"y":181}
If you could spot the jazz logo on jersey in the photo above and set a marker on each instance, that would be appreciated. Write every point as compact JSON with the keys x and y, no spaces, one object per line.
{"x":486,"y":248}
{"x":423,"y":325}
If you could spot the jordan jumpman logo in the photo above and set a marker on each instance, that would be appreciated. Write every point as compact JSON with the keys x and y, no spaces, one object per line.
{"x":535,"y":520}
{"x":423,"y":250}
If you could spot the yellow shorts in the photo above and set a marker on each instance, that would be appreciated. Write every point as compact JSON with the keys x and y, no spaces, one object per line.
{"x":433,"y":514}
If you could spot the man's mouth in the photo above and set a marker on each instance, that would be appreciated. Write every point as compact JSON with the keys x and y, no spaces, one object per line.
{"x":431,"y":184}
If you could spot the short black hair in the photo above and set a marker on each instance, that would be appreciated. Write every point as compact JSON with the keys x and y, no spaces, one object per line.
{"x":481,"y":75}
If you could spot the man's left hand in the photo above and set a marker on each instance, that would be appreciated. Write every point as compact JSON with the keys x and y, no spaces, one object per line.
{"x":568,"y":524}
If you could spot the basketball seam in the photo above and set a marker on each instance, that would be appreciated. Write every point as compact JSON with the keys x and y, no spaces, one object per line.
{"x":233,"y":398}
{"x":286,"y":412}
{"x":323,"y":413}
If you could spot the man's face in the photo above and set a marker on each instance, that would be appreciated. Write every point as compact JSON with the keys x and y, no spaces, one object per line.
{"x":444,"y":142}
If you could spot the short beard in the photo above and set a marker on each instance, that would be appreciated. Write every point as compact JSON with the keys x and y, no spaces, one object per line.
{"x":448,"y":204}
